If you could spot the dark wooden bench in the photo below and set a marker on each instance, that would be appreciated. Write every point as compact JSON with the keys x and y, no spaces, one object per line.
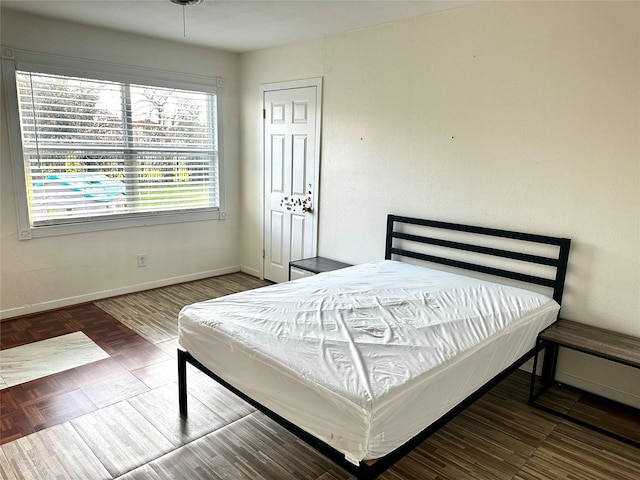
{"x":616,"y":347}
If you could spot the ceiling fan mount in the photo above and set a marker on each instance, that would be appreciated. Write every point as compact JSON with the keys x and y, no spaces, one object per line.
{"x":186,"y":2}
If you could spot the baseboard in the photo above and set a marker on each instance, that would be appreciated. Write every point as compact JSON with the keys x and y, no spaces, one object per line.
{"x":605,"y":391}
{"x":92,"y":297}
{"x":251,"y":271}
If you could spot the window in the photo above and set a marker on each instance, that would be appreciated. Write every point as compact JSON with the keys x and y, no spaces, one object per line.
{"x":95,"y":152}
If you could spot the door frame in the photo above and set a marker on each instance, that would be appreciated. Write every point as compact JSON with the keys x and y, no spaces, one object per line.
{"x":290,"y":85}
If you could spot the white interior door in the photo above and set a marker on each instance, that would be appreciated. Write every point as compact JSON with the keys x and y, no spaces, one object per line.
{"x":291,"y":174}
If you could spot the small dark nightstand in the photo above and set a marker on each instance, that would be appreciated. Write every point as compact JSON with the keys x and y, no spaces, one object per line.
{"x":314,"y":265}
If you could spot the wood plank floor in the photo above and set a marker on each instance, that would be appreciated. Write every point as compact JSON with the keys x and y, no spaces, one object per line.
{"x":118,"y":417}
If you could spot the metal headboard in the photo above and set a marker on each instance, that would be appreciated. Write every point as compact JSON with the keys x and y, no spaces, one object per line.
{"x":558,"y":262}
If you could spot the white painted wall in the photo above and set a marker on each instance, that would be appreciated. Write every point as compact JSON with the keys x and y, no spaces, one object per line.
{"x":49,"y":272}
{"x":517,"y":115}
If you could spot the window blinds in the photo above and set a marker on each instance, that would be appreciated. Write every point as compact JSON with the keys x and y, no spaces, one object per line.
{"x":94,"y":149}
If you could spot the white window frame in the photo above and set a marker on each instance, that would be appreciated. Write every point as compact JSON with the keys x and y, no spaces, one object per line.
{"x":13,"y":60}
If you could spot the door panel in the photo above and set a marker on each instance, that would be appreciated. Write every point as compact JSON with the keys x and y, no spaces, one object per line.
{"x":277,"y":163}
{"x":300,"y":110}
{"x":291,"y":131}
{"x":298,"y":223}
{"x":277,"y":234}
{"x":299,"y":165}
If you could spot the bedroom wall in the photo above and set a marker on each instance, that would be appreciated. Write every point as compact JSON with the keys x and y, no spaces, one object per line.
{"x":49,"y":272}
{"x":517,"y":115}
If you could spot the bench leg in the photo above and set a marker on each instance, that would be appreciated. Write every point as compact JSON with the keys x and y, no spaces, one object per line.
{"x":549,"y":364}
{"x":182,"y":382}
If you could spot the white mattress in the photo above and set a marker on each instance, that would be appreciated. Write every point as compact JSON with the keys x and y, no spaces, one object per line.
{"x":366,"y":357}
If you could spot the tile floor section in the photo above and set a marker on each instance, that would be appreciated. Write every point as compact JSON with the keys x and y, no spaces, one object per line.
{"x":117,"y":417}
{"x":36,"y":360}
{"x":133,"y":365}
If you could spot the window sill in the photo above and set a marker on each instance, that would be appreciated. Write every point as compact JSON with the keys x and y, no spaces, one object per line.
{"x":117,"y":223}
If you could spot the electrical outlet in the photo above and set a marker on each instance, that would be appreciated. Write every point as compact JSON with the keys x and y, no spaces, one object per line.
{"x":142,"y":260}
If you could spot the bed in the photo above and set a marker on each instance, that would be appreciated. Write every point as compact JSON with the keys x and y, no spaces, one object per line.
{"x":365,"y":362}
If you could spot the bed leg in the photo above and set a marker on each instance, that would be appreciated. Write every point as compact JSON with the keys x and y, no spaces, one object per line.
{"x":182,"y":382}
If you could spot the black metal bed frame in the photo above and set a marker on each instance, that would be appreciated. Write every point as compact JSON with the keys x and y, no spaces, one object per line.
{"x":559,"y":261}
{"x":370,"y":471}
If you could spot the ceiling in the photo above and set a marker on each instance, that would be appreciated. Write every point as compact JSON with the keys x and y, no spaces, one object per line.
{"x":234,"y":25}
